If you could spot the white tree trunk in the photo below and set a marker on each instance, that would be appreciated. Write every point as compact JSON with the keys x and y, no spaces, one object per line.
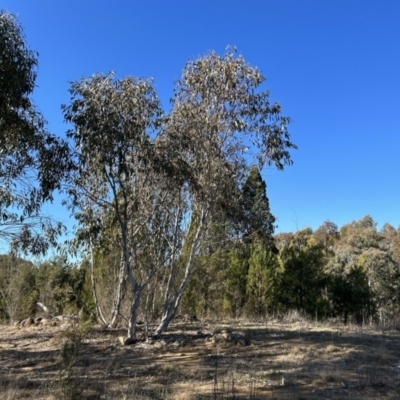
{"x":118,"y":295}
{"x":131,"y":338}
{"x":171,"y":302}
{"x":99,"y":311}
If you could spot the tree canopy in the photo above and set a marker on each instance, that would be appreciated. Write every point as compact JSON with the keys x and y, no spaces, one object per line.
{"x":163,"y":178}
{"x":33,"y":163}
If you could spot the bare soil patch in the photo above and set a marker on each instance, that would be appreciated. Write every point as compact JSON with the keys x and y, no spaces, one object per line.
{"x":202,"y":360}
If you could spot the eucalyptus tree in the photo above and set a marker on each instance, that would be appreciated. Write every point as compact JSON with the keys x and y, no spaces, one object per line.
{"x":327,"y":234}
{"x":115,"y":189}
{"x":33,"y":163}
{"x":218,"y":113}
{"x":372,"y":255}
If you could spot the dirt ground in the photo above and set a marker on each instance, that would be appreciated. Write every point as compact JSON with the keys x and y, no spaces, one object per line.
{"x":202,"y":360}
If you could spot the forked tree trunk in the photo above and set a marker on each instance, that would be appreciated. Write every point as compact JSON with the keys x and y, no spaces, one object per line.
{"x":172,"y":301}
{"x":131,"y":338}
{"x":137,"y":290}
{"x":118,"y":297}
{"x":170,"y":310}
{"x":99,"y":311}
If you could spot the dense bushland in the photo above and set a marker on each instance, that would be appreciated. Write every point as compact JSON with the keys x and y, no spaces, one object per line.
{"x":351,"y":274}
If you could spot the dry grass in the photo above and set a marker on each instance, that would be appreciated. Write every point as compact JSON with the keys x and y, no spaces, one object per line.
{"x":292,"y":358}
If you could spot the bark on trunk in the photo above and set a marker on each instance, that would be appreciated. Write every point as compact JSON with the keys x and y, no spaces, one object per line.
{"x":146,"y":311}
{"x":171,"y":305}
{"x":44,"y":308}
{"x":99,"y":311}
{"x":131,"y":338}
{"x":118,"y":295}
{"x":137,"y":289}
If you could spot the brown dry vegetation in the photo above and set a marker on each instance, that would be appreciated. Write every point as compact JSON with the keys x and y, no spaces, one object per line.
{"x":289,"y":359}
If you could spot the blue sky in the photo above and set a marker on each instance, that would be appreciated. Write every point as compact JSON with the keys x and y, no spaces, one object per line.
{"x":334,"y":65}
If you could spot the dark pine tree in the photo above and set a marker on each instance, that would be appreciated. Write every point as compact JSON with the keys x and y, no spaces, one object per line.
{"x":258,"y":220}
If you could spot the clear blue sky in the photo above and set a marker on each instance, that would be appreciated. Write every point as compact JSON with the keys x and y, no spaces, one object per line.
{"x":334,"y":65}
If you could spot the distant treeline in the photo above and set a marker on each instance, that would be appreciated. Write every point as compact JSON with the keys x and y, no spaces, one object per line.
{"x":351,"y":274}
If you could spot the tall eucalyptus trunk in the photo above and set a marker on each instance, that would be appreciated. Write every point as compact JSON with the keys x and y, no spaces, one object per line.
{"x":173,"y":299}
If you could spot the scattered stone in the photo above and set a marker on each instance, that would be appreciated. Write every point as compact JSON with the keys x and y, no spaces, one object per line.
{"x":217,"y":331}
{"x":218,"y":338}
{"x":65,"y":326}
{"x":60,"y":317}
{"x":121,"y":340}
{"x":226,"y":335}
{"x":143,"y":346}
{"x":240,"y":338}
{"x":159,"y":343}
{"x":126,"y":341}
{"x":27,"y":322}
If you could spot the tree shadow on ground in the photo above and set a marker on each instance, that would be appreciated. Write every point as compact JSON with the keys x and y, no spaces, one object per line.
{"x":281,"y":363}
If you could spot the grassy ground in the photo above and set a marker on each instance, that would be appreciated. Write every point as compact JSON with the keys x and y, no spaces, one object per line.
{"x":289,"y":359}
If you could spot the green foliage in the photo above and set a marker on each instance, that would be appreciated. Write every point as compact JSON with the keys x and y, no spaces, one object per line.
{"x":60,"y":286}
{"x":261,"y":281}
{"x":112,"y":120}
{"x":235,"y":250}
{"x":70,"y":385}
{"x":53,"y":285}
{"x":235,"y":283}
{"x":107,"y":265}
{"x":364,"y":253}
{"x":18,"y":294}
{"x":303,"y":275}
{"x":327,"y":235}
{"x":351,"y":296}
{"x":259,"y":222}
{"x":33,"y":163}
{"x":17,"y":77}
{"x":205,"y":293}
